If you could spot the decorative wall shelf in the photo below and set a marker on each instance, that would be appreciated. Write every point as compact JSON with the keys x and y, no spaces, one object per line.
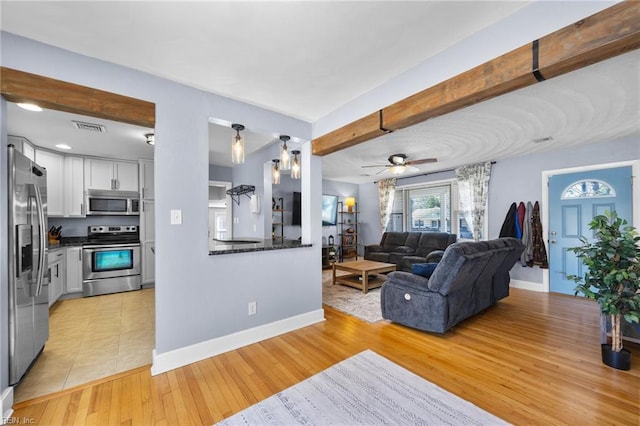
{"x":239,"y":190}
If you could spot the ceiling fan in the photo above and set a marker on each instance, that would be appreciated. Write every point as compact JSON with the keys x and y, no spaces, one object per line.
{"x":399,"y":164}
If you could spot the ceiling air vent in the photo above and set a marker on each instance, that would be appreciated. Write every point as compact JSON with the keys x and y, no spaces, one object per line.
{"x":90,"y":127}
{"x":543,"y":140}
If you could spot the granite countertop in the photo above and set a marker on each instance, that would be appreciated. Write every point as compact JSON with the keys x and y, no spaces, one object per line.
{"x":68,"y":242}
{"x":244,"y":245}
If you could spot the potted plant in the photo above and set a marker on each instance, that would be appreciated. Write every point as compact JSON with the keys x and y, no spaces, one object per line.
{"x":612,"y":279}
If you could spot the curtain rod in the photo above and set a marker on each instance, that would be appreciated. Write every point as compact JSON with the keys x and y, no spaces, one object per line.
{"x":428,"y":173}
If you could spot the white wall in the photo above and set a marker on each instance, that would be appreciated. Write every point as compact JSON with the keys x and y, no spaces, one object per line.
{"x":199,"y":297}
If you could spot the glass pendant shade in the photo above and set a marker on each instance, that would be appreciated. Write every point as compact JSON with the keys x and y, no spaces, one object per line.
{"x":295,"y":165}
{"x":237,"y":145}
{"x":275,"y":172}
{"x":285,"y":158}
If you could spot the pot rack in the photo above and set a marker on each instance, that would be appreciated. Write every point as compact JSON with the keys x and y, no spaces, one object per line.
{"x":239,"y":190}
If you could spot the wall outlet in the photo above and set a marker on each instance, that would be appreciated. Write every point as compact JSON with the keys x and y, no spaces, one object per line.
{"x":253,"y":308}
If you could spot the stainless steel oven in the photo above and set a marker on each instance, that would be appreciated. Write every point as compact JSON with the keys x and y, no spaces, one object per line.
{"x":111,"y":260}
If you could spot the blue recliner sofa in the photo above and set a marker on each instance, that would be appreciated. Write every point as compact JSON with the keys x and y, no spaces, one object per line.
{"x":471,"y":277}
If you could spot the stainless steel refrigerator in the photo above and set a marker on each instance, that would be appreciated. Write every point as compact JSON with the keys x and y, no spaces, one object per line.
{"x":28,"y":280}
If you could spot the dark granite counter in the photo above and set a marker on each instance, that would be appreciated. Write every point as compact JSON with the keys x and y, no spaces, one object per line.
{"x":244,"y":245}
{"x":68,"y":242}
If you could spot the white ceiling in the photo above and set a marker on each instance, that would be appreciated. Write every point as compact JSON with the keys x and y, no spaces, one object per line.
{"x":307,"y":59}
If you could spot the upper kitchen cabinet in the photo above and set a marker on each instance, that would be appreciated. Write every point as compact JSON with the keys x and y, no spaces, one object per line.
{"x":110,"y":175}
{"x":23,"y":145}
{"x":146,"y":179}
{"x":54,"y":163}
{"x":74,"y":187}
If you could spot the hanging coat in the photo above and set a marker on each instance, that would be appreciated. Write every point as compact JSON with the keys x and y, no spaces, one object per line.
{"x":509,"y":225}
{"x":527,"y":254}
{"x":539,"y":250}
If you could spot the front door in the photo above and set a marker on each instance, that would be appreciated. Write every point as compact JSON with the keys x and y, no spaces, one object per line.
{"x":574,"y":199}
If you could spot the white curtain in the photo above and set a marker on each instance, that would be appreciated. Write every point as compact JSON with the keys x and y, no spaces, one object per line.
{"x":473,"y":193}
{"x":386,"y":190}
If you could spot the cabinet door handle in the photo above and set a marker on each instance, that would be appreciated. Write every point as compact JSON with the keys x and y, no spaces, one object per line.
{"x":80,"y":255}
{"x":81,"y":209}
{"x":57,"y":271}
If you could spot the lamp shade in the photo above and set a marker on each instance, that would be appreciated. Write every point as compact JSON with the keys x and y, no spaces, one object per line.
{"x":237,"y":145}
{"x":275,"y":172}
{"x":295,"y":165}
{"x":285,"y":158}
{"x":349,"y":202}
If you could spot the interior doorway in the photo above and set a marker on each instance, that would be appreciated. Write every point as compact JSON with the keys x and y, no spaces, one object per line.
{"x":220,"y":211}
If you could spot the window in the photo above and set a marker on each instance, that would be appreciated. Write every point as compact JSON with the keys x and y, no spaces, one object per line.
{"x":426,"y":208}
{"x":588,"y":189}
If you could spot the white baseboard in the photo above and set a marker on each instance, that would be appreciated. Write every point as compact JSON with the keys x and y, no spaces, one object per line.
{"x":527,"y":285}
{"x":6,"y":404}
{"x":193,"y":353}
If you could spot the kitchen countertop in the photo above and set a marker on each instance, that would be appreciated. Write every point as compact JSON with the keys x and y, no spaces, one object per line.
{"x":68,"y":242}
{"x":244,"y":245}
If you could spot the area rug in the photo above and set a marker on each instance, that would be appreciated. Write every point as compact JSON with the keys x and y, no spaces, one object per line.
{"x":366,"y":389}
{"x":351,"y":300}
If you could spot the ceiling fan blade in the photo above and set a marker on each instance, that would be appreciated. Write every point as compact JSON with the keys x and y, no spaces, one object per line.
{"x":375,"y":165}
{"x":421,"y":161}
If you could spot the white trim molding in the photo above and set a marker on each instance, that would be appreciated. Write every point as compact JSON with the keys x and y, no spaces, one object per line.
{"x":6,"y":402}
{"x":199,"y":351}
{"x":527,"y":285}
{"x":635,"y":194}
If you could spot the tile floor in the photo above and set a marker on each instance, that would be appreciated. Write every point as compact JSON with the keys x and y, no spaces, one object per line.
{"x":91,"y":338}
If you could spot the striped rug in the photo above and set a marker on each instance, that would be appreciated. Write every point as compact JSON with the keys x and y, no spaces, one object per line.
{"x":366,"y":389}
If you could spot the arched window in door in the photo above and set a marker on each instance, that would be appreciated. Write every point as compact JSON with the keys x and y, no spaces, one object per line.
{"x":589,"y":188}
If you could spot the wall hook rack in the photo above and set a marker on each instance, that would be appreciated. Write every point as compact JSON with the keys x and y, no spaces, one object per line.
{"x":239,"y":190}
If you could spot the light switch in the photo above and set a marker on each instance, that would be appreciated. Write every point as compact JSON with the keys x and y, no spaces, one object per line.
{"x":176,"y":217}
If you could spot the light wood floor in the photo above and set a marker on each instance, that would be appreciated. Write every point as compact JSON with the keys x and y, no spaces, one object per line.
{"x":532,"y":359}
{"x":91,"y":338}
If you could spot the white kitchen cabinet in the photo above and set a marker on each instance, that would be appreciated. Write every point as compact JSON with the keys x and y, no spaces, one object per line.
{"x":74,"y":187}
{"x":146,"y":179}
{"x":110,"y":175}
{"x":148,"y":262}
{"x":56,"y":274}
{"x":23,"y":145}
{"x":54,"y":163}
{"x":74,"y":269}
{"x":147,"y":241}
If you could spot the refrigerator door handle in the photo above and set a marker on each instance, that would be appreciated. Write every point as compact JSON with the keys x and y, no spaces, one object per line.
{"x":43,"y":240}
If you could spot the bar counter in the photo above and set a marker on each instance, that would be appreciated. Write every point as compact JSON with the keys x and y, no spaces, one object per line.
{"x":244,"y":245}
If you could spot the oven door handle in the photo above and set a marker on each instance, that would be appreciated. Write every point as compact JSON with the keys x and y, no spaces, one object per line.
{"x":110,"y":246}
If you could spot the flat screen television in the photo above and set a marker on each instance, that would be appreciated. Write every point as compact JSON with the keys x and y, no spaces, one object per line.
{"x":329,"y":210}
{"x":296,"y":218}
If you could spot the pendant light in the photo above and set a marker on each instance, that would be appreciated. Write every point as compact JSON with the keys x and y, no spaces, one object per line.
{"x":295,"y":165}
{"x":285,"y":158}
{"x":237,"y":145}
{"x":275,"y":172}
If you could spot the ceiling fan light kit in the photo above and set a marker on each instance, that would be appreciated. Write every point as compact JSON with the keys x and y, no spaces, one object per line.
{"x":398,"y":164}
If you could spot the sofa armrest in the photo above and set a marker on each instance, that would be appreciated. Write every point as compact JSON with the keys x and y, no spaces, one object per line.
{"x":404,"y":250}
{"x":435,"y":256}
{"x":373,"y":248}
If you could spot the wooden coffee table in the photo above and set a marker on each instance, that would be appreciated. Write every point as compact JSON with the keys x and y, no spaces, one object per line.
{"x":359,"y":273}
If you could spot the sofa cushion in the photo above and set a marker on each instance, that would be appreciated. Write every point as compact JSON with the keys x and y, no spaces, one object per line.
{"x":423,"y":269}
{"x":379,"y":256}
{"x":391,"y":240}
{"x":430,"y":241}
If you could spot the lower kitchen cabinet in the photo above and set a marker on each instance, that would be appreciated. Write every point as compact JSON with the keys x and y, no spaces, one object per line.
{"x":148,"y":263}
{"x":74,"y":270}
{"x":56,"y":275}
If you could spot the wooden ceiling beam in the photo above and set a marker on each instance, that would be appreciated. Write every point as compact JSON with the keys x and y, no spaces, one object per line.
{"x":604,"y":35}
{"x":20,"y":86}
{"x":361,"y":130}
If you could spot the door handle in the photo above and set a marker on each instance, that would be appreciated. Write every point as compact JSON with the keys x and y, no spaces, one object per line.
{"x":43,"y":240}
{"x":553,"y":241}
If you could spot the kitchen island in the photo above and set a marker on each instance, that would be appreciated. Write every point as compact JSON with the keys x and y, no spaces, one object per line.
{"x":244,"y":245}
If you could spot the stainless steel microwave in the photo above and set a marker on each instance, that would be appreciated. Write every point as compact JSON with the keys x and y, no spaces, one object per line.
{"x":113,"y":203}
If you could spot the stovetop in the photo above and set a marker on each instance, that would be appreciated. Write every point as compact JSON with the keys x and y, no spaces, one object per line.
{"x":112,"y":234}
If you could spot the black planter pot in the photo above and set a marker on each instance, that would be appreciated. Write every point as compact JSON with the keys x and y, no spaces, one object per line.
{"x":618,"y":360}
